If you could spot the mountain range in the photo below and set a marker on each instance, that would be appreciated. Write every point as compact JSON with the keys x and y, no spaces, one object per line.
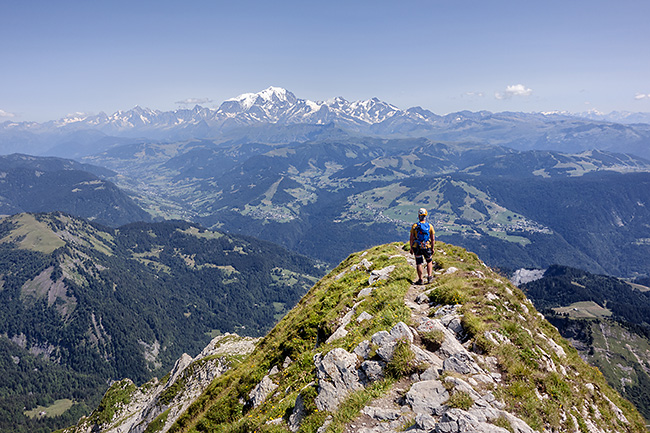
{"x":84,"y":303}
{"x":80,"y":134}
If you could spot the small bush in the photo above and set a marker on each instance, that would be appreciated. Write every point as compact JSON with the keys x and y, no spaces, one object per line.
{"x":472,"y":325}
{"x":503,"y":422}
{"x":403,"y":361}
{"x":433,"y":339}
{"x":460,"y":400}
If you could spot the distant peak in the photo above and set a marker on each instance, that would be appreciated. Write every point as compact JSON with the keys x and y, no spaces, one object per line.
{"x":271,"y":94}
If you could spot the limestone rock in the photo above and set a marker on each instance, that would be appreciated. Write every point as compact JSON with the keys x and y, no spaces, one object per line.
{"x":364,"y":316}
{"x":381,"y":274}
{"x":373,"y":370}
{"x":402,"y":331}
{"x":425,"y":422}
{"x":381,"y":414}
{"x":422,"y":298}
{"x":459,"y":421}
{"x":425,"y":357}
{"x":363,"y":349}
{"x":451,"y":270}
{"x":341,"y":332}
{"x":297,"y":415}
{"x":261,"y":391}
{"x":460,"y":362}
{"x":363,"y":264}
{"x":337,"y":376}
{"x":427,"y":397}
{"x":365,"y":292}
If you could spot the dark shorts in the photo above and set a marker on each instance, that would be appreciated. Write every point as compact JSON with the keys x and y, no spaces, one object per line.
{"x":422,"y":254}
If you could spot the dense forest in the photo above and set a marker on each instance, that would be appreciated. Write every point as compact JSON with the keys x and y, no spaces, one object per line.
{"x":563,"y":286}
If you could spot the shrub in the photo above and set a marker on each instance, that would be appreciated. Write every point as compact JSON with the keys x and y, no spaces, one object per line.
{"x":433,"y":339}
{"x":403,"y":361}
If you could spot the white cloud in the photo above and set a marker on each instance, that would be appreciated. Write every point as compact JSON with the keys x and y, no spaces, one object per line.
{"x":194,"y":101}
{"x":514,"y":90}
{"x":473,"y":94}
{"x":3,"y":113}
{"x":640,"y":96}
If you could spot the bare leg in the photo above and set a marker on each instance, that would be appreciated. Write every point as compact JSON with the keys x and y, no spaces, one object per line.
{"x":430,"y":268}
{"x":419,"y":269}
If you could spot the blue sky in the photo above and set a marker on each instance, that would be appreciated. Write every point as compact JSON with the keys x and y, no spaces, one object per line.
{"x":60,"y":57}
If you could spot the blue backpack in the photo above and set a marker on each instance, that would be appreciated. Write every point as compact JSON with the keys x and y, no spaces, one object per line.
{"x":423,"y":233}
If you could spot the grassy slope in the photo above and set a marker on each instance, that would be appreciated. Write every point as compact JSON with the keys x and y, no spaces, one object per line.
{"x":302,"y":332}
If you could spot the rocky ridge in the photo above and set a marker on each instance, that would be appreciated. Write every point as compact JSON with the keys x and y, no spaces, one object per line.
{"x":160,"y":402}
{"x":366,"y":351}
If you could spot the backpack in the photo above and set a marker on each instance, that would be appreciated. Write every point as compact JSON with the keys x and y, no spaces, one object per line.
{"x":423,"y":233}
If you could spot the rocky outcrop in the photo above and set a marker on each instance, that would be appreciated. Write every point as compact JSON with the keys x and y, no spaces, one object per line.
{"x":337,"y":376}
{"x":164,"y":401}
{"x":426,"y":405}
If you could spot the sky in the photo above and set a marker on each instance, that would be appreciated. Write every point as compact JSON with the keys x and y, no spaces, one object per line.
{"x":62,"y":57}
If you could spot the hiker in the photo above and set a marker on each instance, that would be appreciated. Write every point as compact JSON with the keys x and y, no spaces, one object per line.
{"x":422,"y":240}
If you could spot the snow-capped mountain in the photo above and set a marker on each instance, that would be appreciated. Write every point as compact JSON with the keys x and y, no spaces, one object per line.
{"x":276,"y":106}
{"x":272,"y":105}
{"x":625,"y":117}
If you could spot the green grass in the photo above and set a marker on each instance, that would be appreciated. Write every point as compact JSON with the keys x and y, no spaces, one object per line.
{"x":157,"y":424}
{"x":461,"y":400}
{"x":31,"y":234}
{"x":118,"y":394}
{"x":299,"y":335}
{"x":55,"y":409}
{"x":584,"y":310}
{"x":351,"y":407}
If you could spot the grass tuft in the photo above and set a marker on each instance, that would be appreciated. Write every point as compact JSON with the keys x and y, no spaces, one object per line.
{"x":460,"y":400}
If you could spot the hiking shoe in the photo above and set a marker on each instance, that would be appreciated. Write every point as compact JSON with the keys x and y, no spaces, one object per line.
{"x":419,"y":283}
{"x":429,"y":279}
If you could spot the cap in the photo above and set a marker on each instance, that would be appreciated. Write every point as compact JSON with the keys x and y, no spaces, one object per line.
{"x":422,"y":211}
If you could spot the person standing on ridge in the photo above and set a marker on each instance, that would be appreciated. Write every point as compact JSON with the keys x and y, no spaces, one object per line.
{"x":422,"y":240}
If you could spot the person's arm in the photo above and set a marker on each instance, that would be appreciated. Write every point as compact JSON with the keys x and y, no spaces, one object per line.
{"x":411,"y":240}
{"x":433,"y":237}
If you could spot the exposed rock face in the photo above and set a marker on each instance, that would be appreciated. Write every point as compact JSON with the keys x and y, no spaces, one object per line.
{"x":261,"y":391}
{"x":427,"y":397}
{"x":337,"y":376}
{"x":187,"y":380}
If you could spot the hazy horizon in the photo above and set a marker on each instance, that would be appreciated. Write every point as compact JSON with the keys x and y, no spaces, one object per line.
{"x":62,"y":58}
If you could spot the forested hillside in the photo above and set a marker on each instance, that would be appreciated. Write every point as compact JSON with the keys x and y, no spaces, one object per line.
{"x":39,"y":184}
{"x":607,"y":319}
{"x":101,"y":303}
